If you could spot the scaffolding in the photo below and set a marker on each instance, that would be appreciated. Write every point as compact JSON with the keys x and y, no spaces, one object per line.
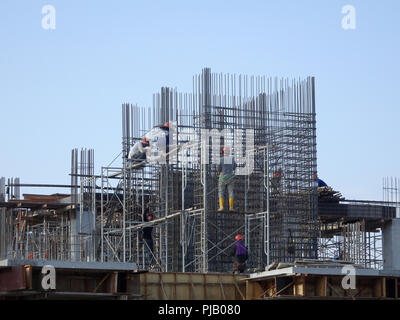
{"x":51,"y":227}
{"x":359,"y":240}
{"x":391,"y":192}
{"x":269,"y":125}
{"x":277,"y":218}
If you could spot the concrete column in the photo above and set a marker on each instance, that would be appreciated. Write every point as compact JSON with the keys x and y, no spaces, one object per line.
{"x":391,"y":245}
{"x":82,"y":241}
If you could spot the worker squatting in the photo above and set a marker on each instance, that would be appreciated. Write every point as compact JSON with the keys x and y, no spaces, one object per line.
{"x":160,"y":145}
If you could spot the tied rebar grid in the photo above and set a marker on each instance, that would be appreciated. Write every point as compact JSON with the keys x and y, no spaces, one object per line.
{"x":183,"y":193}
{"x":48,"y":234}
{"x":282,"y":115}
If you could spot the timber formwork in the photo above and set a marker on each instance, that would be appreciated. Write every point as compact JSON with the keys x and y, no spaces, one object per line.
{"x":107,"y":281}
{"x":322,"y":283}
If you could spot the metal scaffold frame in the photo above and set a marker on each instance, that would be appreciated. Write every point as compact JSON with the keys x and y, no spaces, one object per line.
{"x":271,"y":121}
{"x":266,"y":122}
{"x":197,"y":237}
{"x":360,"y":240}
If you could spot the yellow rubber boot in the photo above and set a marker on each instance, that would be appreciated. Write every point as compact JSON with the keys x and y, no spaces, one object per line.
{"x":230,"y":204}
{"x":221,"y":204}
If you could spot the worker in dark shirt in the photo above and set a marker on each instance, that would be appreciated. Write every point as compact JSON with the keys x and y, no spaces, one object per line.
{"x":321,"y":183}
{"x":240,"y":253}
{"x":148,"y":238}
{"x":165,"y":128}
{"x":276,"y":180}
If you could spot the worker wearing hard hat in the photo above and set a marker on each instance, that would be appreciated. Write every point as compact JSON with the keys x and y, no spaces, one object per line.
{"x":165,"y":128}
{"x":240,"y":253}
{"x":276,"y":181}
{"x":226,"y":178}
{"x":148,"y":238}
{"x":159,"y":137}
{"x":138,"y":151}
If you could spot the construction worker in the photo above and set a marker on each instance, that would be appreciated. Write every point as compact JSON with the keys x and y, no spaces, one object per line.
{"x":160,"y":143}
{"x":148,"y":238}
{"x":226,"y":178}
{"x":165,"y":128}
{"x":276,"y":180}
{"x":240,"y":253}
{"x":321,"y":183}
{"x":138,"y":151}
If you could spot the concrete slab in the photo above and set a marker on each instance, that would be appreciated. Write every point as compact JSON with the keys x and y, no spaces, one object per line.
{"x":71,"y":264}
{"x":391,"y":245}
{"x":312,"y":270}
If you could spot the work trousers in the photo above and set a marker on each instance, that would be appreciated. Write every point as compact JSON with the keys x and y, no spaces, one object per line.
{"x":224,"y":184}
{"x":148,"y":248}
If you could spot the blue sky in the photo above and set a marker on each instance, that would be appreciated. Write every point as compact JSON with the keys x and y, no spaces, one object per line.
{"x":63,"y":88}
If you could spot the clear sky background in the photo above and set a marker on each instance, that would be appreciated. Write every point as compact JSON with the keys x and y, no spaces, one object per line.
{"x":63,"y":88}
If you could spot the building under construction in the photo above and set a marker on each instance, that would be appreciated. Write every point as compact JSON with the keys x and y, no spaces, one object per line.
{"x":284,"y":217}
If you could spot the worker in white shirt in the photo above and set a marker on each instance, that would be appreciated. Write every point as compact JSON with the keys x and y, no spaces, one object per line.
{"x":138,"y":151}
{"x":159,"y":144}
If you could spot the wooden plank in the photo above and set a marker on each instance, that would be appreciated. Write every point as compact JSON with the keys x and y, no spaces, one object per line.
{"x":359,"y":292}
{"x":270,"y":291}
{"x":284,"y":288}
{"x":191,"y":288}
{"x":249,"y":290}
{"x":238,"y":289}
{"x":299,"y":286}
{"x":380,"y":288}
{"x":205,"y":286}
{"x":28,"y":277}
{"x":145,"y":285}
{"x":178,"y":286}
{"x":321,"y":286}
{"x":12,"y":278}
{"x":162,"y":287}
{"x":101,"y":282}
{"x":175,"y":280}
{"x":112,"y":283}
{"x":384,"y":288}
{"x":339,"y":294}
{"x":222,"y":288}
